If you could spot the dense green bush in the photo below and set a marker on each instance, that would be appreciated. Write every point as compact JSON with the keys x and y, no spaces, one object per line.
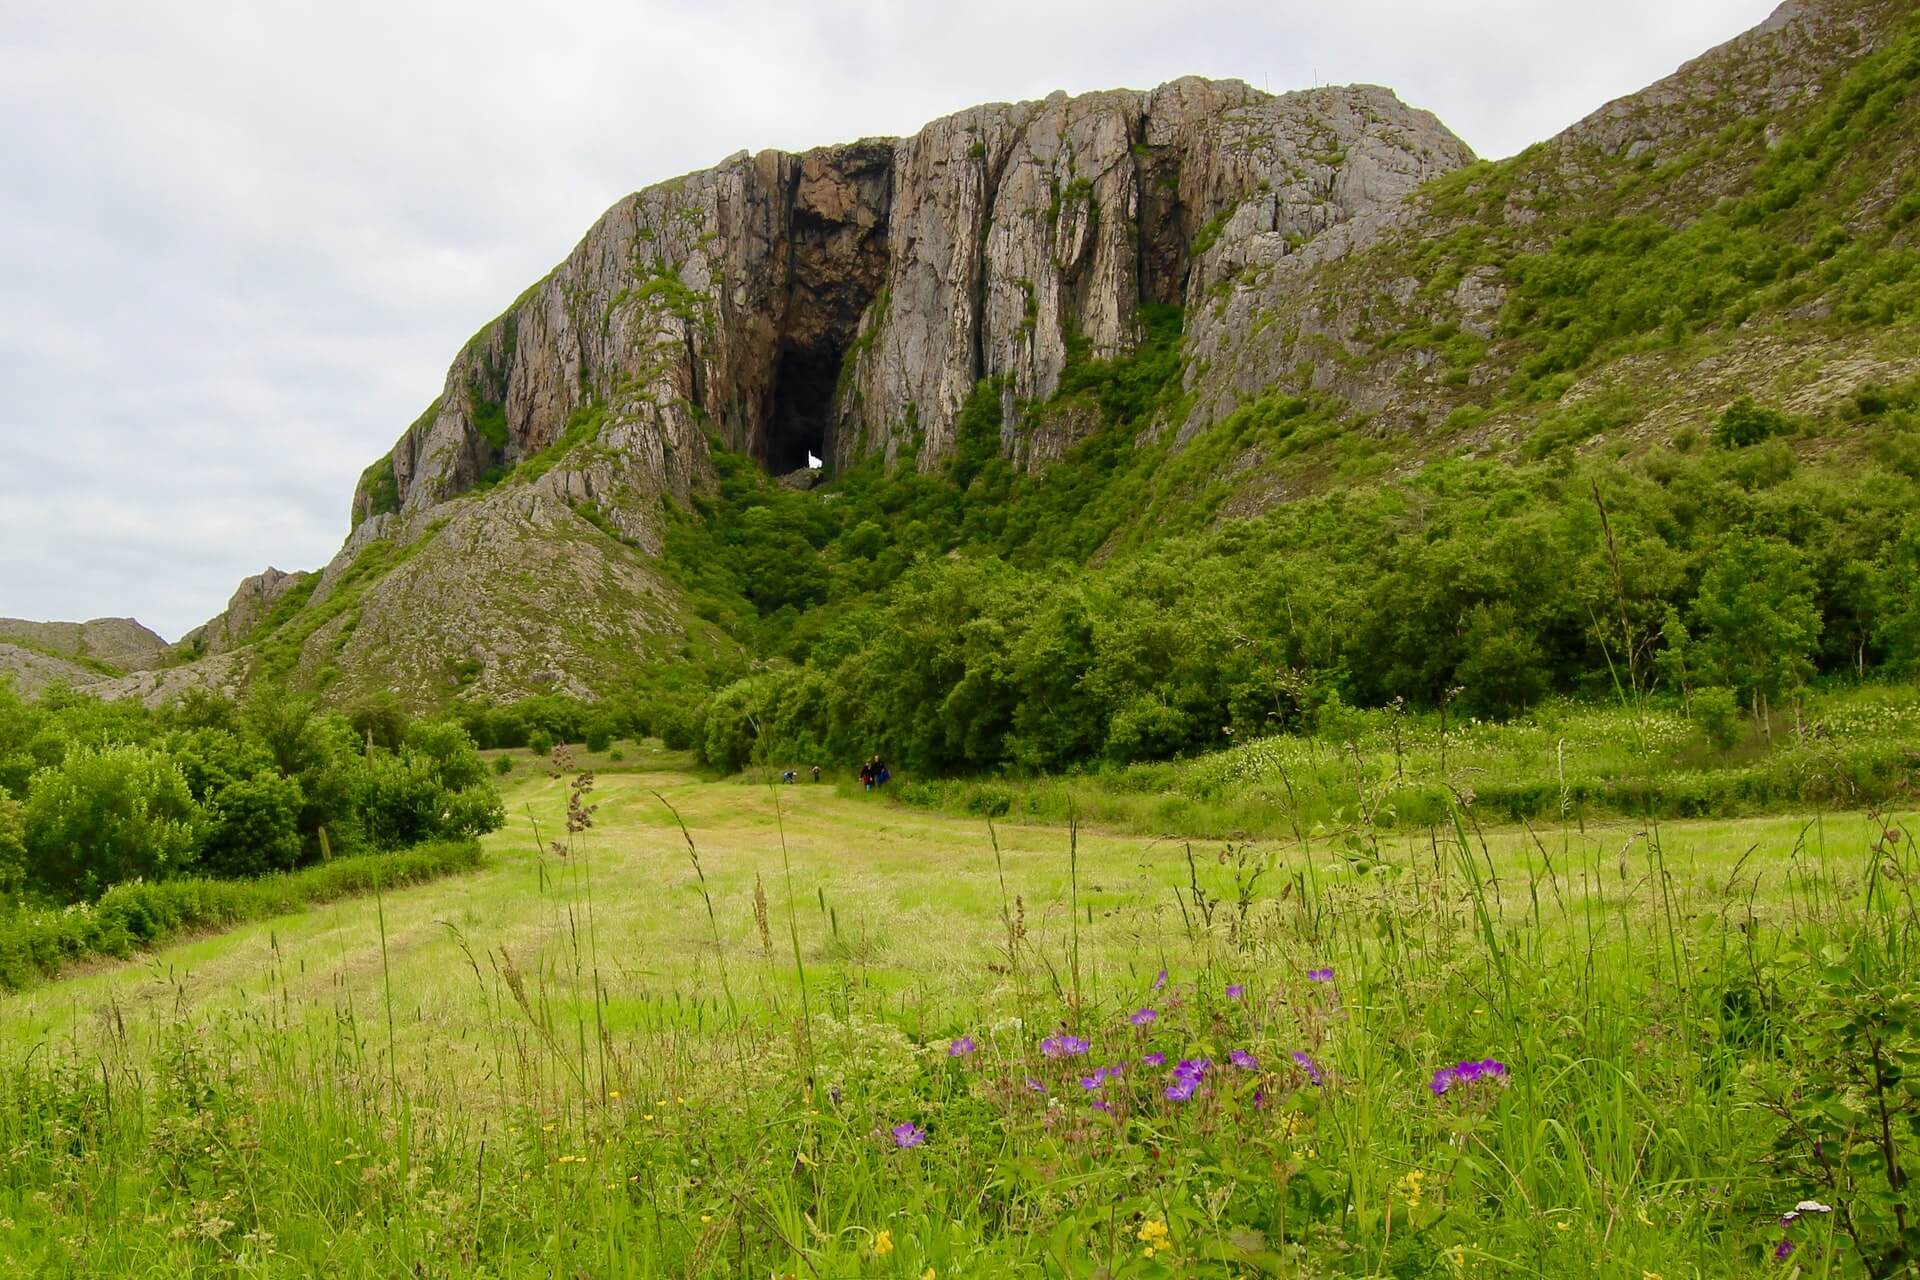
{"x":100,"y":793}
{"x":107,"y":814}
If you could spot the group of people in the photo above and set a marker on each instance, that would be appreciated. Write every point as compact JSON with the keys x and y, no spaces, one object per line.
{"x":872,"y":774}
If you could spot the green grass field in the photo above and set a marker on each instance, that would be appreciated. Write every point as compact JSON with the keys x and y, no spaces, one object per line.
{"x":617,"y":1062}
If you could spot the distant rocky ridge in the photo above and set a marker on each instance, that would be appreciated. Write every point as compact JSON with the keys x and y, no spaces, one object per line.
{"x":36,"y":654}
{"x":848,"y":301}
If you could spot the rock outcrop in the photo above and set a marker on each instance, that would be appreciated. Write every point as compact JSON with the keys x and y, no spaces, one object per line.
{"x":848,"y":300}
{"x":250,"y":605}
{"x":119,"y":643}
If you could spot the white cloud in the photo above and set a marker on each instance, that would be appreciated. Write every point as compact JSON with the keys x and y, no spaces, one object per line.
{"x":239,"y":247}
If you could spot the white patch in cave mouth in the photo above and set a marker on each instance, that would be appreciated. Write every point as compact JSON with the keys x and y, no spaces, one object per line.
{"x":813,"y":463}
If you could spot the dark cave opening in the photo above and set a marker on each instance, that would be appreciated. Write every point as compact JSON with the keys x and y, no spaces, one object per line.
{"x":804,"y":379}
{"x":837,"y":259}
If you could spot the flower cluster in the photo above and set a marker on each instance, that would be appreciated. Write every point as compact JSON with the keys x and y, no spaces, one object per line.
{"x":1187,"y":1075}
{"x":1062,"y":1045}
{"x":1153,"y":1238}
{"x":1469,"y":1074}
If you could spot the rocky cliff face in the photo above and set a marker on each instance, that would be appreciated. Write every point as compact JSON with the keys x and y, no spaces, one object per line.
{"x":848,"y":300}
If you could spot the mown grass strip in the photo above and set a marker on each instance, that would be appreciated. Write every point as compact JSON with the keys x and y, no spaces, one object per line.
{"x":37,"y":945}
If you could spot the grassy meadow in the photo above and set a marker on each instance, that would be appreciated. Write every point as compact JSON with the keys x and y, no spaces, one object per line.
{"x":818,"y":1033}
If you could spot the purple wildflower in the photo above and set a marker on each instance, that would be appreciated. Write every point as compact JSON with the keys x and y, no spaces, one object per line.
{"x":1191,"y":1069}
{"x":1320,"y":975}
{"x":962,"y":1047}
{"x":1236,"y":990}
{"x":1466,"y":1073}
{"x":908,"y":1134}
{"x":1160,"y":980}
{"x":1783,"y":1251}
{"x":1113,"y":1072}
{"x":1181,"y":1089}
{"x":1154,"y":1060}
{"x":1309,"y":1066}
{"x":1244,"y":1060}
{"x":1092,"y":1082}
{"x":1102,"y":1105}
{"x":1062,"y":1045}
{"x":1143,"y":1017}
{"x":1035,"y":1085}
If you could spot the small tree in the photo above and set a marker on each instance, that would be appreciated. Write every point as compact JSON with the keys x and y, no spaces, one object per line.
{"x":1897,"y":627}
{"x":1717,"y":711}
{"x":1670,"y":664}
{"x":13,"y":846}
{"x":1758,"y":620}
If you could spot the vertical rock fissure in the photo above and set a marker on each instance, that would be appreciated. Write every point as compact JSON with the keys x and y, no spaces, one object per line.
{"x":1162,"y":235}
{"x":836,"y":259}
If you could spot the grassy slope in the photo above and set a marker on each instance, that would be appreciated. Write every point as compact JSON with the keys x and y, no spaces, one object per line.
{"x":898,"y":924}
{"x":908,"y":888}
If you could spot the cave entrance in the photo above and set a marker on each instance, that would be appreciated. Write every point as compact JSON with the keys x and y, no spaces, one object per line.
{"x":837,"y":259}
{"x":804,"y":379}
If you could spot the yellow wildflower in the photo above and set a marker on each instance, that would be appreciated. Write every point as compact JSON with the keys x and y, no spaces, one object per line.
{"x":928,"y":1274}
{"x":1410,"y":1187}
{"x":882,"y":1243}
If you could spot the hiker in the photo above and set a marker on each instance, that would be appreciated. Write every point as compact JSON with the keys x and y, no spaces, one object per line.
{"x":787,"y":777}
{"x":866,"y":776}
{"x":880,"y":774}
{"x":816,"y":775}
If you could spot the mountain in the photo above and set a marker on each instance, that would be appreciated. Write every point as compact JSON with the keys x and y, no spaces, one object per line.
{"x":1330,"y":257}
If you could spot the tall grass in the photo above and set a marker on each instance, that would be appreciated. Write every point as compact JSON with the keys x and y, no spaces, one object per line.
{"x":947,"y":1124}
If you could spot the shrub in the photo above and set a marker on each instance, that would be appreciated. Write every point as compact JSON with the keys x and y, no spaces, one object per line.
{"x":539,"y":742}
{"x":503,"y":765}
{"x":1717,"y":712}
{"x":253,"y":826}
{"x":1745,"y":423}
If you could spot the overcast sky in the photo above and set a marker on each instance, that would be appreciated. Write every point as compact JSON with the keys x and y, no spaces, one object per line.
{"x":240,"y":242}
